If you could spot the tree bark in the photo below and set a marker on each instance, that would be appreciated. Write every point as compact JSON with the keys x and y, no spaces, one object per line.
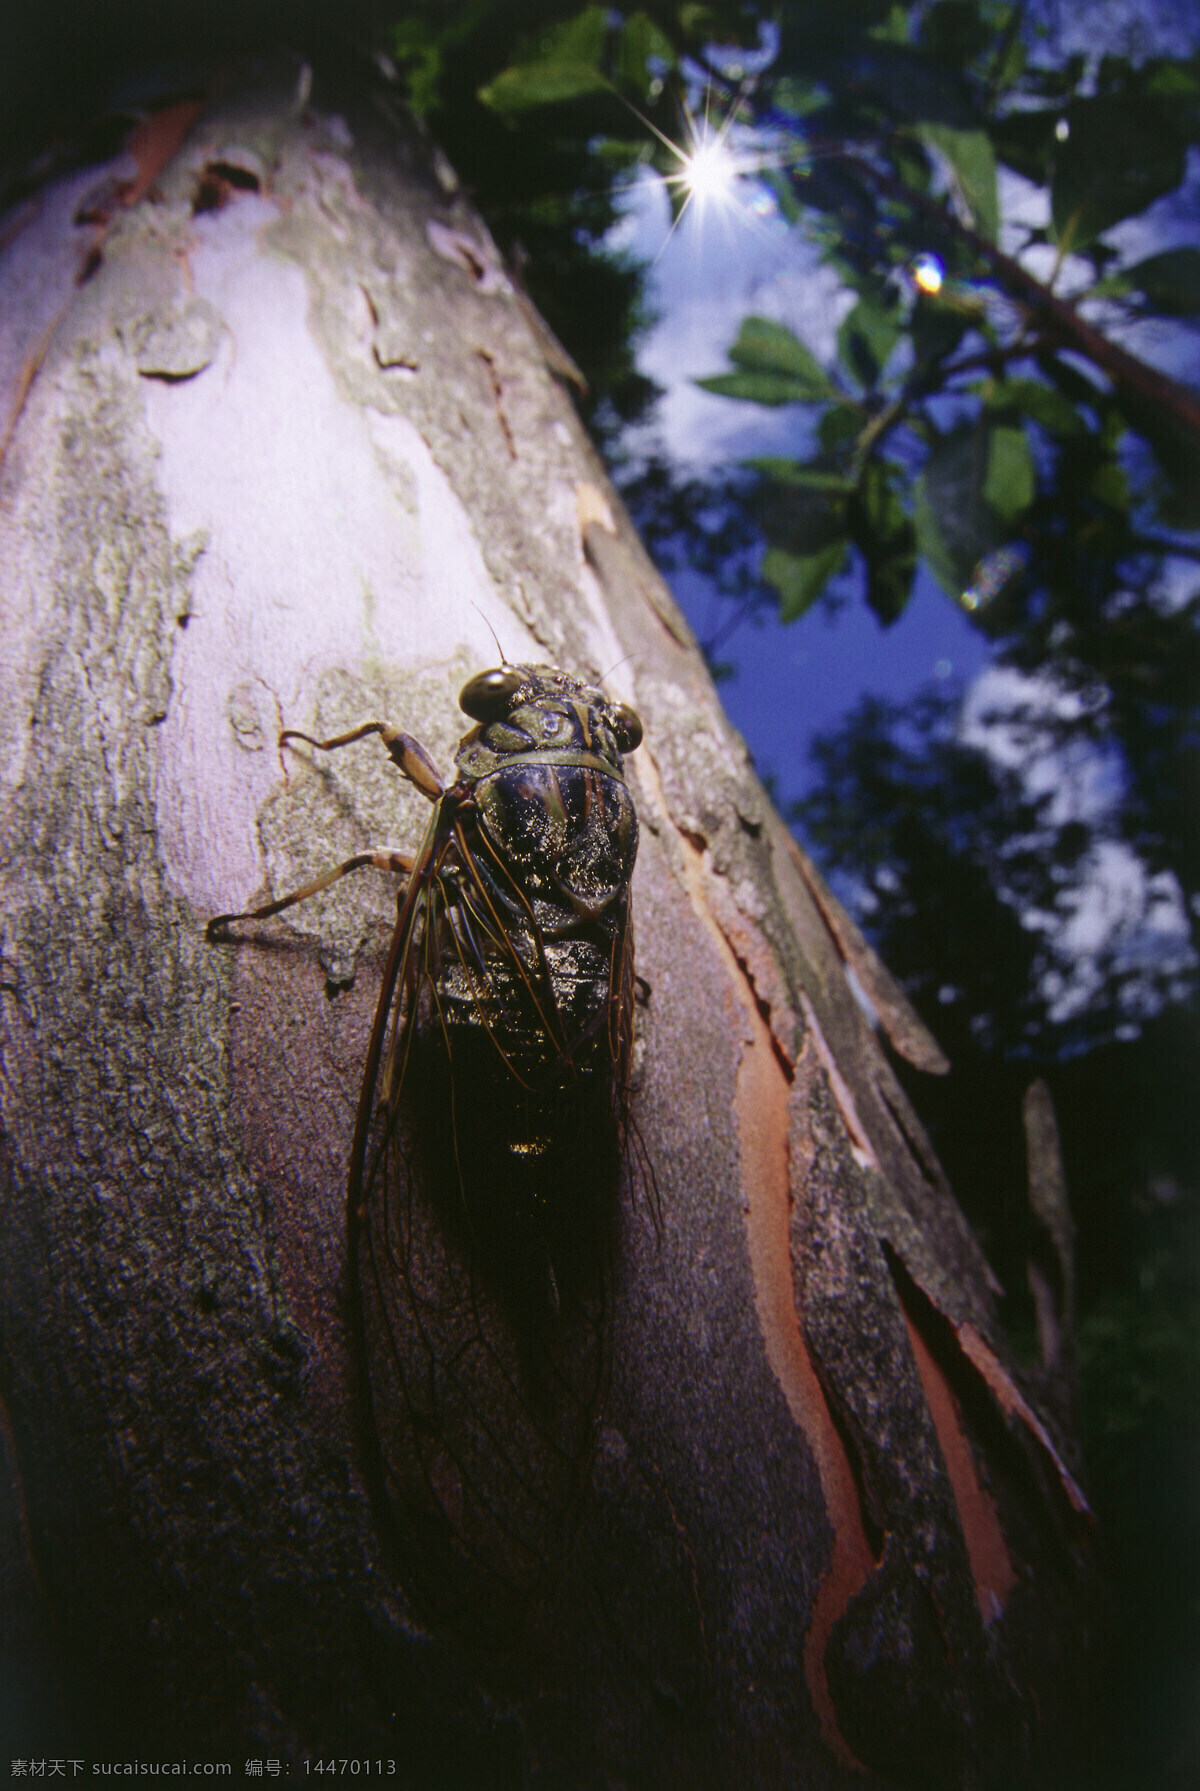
{"x":283,"y":447}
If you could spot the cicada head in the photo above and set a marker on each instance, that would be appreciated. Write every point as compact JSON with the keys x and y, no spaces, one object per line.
{"x":529,"y":708}
{"x":546,"y":764}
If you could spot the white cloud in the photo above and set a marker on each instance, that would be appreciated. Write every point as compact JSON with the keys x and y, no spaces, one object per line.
{"x":705,"y":276}
{"x":1117,"y":915}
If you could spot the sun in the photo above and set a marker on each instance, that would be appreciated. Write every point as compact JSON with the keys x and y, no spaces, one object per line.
{"x":718,"y":168}
{"x":709,"y":172}
{"x":714,"y":166}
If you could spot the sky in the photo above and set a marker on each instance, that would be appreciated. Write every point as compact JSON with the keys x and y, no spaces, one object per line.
{"x":704,"y":277}
{"x":796,"y":681}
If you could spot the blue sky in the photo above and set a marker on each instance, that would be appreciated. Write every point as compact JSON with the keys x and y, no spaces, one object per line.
{"x":792,"y":682}
{"x":716,"y":268}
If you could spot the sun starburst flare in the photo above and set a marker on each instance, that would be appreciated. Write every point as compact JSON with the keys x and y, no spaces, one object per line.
{"x":716,"y":167}
{"x":713,"y":167}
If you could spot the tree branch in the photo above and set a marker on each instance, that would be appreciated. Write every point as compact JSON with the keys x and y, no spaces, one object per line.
{"x":1059,"y":320}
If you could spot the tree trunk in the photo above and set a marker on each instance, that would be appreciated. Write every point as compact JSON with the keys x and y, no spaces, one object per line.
{"x":283,"y":447}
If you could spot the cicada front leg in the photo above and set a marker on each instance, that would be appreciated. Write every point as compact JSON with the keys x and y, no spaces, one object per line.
{"x":407,"y":755}
{"x":410,"y":759}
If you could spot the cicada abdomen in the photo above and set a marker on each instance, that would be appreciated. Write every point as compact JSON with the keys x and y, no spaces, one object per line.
{"x":488,"y":1150}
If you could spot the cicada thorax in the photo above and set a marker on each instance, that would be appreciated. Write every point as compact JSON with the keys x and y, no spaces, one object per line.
{"x":497,"y":1149}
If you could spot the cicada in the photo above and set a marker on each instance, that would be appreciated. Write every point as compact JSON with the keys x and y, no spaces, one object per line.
{"x":491,"y":1131}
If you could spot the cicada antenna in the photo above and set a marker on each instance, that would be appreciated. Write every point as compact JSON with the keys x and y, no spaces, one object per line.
{"x":504,"y":659}
{"x":624,"y":660}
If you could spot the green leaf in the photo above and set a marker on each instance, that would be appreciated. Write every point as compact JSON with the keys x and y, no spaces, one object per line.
{"x":642,"y":44}
{"x":973,"y":159}
{"x":1170,"y":282}
{"x":800,"y":578}
{"x":699,"y":20}
{"x":768,"y":347}
{"x":1121,"y":153}
{"x":956,"y":526}
{"x":621,"y":152}
{"x":522,"y":88}
{"x":760,"y":388}
{"x":893,"y":28}
{"x":799,"y":518}
{"x":1045,"y":404}
{"x":877,"y":506}
{"x":796,"y":472}
{"x":840,"y":425}
{"x":911,"y":161}
{"x":937,"y":328}
{"x":419,"y":57}
{"x":798,"y":98}
{"x":566,"y":65}
{"x":890,"y":581}
{"x":931,"y":544}
{"x":884,"y":535}
{"x":1110,"y":485}
{"x":866,"y":338}
{"x":1176,"y":79}
{"x":1009,"y":482}
{"x":1027,"y":143}
{"x":778,"y":184}
{"x":1008,"y":71}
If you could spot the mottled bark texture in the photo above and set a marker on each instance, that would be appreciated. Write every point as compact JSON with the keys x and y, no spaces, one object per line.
{"x":282,"y":445}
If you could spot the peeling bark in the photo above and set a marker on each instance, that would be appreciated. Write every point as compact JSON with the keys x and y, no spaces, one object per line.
{"x":286,"y":456}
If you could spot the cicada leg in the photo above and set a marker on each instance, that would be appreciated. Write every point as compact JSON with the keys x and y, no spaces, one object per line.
{"x":401,"y":863}
{"x":406,"y":754}
{"x":410,"y":759}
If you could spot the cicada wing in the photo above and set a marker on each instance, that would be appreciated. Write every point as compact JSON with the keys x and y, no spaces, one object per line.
{"x":481,"y":1342}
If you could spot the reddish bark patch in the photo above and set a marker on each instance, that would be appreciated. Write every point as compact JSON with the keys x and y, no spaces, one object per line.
{"x":762,"y":1115}
{"x":761,"y":1106}
{"x":991,"y":1563}
{"x":1013,"y":1404}
{"x":219,"y":183}
{"x":154,"y":141}
{"x":87,"y":267}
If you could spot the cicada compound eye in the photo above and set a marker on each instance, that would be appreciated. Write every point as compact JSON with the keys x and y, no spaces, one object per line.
{"x":627,"y":725}
{"x":488,"y":695}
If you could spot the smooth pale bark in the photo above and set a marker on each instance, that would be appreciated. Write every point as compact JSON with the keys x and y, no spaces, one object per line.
{"x":287,"y":456}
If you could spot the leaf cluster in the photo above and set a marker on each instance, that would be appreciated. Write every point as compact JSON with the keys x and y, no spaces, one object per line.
{"x":967,"y":391}
{"x":523,"y":102}
{"x":969,"y":873}
{"x":976,"y":421}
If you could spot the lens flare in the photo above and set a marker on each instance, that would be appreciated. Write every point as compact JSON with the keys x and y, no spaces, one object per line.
{"x":717,"y":166}
{"x":993,"y":572}
{"x":928,"y":273}
{"x":710,"y":172}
